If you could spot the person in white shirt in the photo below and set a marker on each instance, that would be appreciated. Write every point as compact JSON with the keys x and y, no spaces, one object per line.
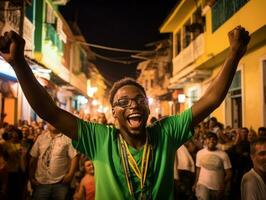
{"x":213,"y":170}
{"x":253,"y":184}
{"x":52,"y":165}
{"x":184,"y":173}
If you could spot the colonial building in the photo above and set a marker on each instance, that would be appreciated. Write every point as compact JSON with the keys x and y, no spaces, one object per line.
{"x":200,"y":46}
{"x":154,"y":75}
{"x":55,"y":53}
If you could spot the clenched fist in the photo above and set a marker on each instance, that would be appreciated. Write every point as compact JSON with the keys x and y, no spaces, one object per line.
{"x":12,"y":47}
{"x":238,"y":39}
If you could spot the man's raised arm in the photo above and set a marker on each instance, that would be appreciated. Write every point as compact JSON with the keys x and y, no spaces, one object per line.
{"x":37,"y":96}
{"x":216,"y":92}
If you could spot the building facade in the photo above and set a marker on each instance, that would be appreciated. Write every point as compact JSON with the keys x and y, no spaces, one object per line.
{"x":201,"y":44}
{"x":54,"y":51}
{"x":154,"y":74}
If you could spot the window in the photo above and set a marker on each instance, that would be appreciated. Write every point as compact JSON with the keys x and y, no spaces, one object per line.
{"x":177,"y":43}
{"x":198,"y":24}
{"x":186,"y":34}
{"x":223,"y":10}
{"x":233,"y":103}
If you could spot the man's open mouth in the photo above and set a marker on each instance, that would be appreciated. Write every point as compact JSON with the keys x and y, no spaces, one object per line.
{"x":135,"y":120}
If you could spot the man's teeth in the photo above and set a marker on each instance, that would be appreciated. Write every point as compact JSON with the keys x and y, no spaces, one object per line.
{"x":134,"y":115}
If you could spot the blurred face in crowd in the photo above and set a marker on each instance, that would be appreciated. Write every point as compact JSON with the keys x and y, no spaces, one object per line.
{"x":212,"y":123}
{"x":25,"y":131}
{"x":38,"y":131}
{"x":251,"y":136}
{"x":130,"y":109}
{"x":259,"y":158}
{"x":88,"y":166}
{"x":243,"y":134}
{"x":41,"y":124}
{"x":14,"y":137}
{"x":262,"y":132}
{"x":211,"y":143}
{"x":87,"y":117}
{"x":102,"y":119}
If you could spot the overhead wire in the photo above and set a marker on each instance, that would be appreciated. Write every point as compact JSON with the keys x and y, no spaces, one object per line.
{"x":113,"y":49}
{"x":115,"y":60}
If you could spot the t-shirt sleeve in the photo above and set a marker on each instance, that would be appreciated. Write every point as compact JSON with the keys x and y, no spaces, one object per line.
{"x":91,"y":137}
{"x":178,"y":127}
{"x":226,"y":162}
{"x":34,"y":152}
{"x":248,"y":188}
{"x":72,"y":152}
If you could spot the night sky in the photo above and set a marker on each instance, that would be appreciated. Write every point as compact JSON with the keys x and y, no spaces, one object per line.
{"x":128,"y":24}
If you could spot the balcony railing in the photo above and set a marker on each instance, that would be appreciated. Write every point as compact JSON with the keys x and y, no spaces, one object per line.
{"x":223,"y":10}
{"x":188,"y":55}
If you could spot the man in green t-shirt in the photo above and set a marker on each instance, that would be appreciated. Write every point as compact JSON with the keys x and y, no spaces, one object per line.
{"x":132,"y":161}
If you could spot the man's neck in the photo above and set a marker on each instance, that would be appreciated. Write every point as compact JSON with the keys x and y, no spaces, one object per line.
{"x":262,"y":174}
{"x":137,"y":141}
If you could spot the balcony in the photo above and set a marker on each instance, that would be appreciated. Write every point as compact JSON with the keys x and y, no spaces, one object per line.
{"x":188,"y":55}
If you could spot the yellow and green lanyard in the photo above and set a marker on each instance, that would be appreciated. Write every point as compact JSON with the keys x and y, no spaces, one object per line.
{"x":129,"y":161}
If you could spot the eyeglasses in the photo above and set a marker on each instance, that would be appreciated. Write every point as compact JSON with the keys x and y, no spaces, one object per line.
{"x":126,"y":101}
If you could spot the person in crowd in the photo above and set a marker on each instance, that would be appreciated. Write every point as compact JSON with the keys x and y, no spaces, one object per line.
{"x":252,"y":135}
{"x":135,"y":160}
{"x":184,"y":174}
{"x":52,"y":165}
{"x":253,"y":184}
{"x":213,"y":171}
{"x":240,"y":159}
{"x":101,"y":119}
{"x":3,"y":175}
{"x":16,"y":164}
{"x":262,"y":131}
{"x":153,"y":120}
{"x":86,"y":189}
{"x":213,"y":124}
{"x":41,"y":124}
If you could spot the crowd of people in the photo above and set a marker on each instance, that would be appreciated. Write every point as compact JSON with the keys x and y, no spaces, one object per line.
{"x":35,"y":157}
{"x":213,"y":162}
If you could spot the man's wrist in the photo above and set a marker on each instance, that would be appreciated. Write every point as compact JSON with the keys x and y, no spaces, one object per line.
{"x":18,"y":62}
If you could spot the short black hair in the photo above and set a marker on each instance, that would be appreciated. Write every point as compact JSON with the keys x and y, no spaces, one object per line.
{"x":125,"y":81}
{"x":210,"y":134}
{"x":259,"y":140}
{"x":214,"y":119}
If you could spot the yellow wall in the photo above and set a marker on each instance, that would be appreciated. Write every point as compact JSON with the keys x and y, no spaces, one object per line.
{"x":252,"y":98}
{"x":253,"y":88}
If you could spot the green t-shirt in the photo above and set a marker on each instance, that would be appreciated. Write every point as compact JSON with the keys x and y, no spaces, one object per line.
{"x":100,"y":144}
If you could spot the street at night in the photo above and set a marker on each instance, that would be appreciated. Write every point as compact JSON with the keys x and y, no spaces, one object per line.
{"x":132,"y":100}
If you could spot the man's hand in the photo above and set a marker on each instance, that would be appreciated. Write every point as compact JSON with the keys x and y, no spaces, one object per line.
{"x":14,"y":51}
{"x":67,"y":178}
{"x":34,"y":182}
{"x":238,"y":39}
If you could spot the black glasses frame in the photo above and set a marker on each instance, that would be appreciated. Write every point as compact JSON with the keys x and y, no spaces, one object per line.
{"x":126,"y":101}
